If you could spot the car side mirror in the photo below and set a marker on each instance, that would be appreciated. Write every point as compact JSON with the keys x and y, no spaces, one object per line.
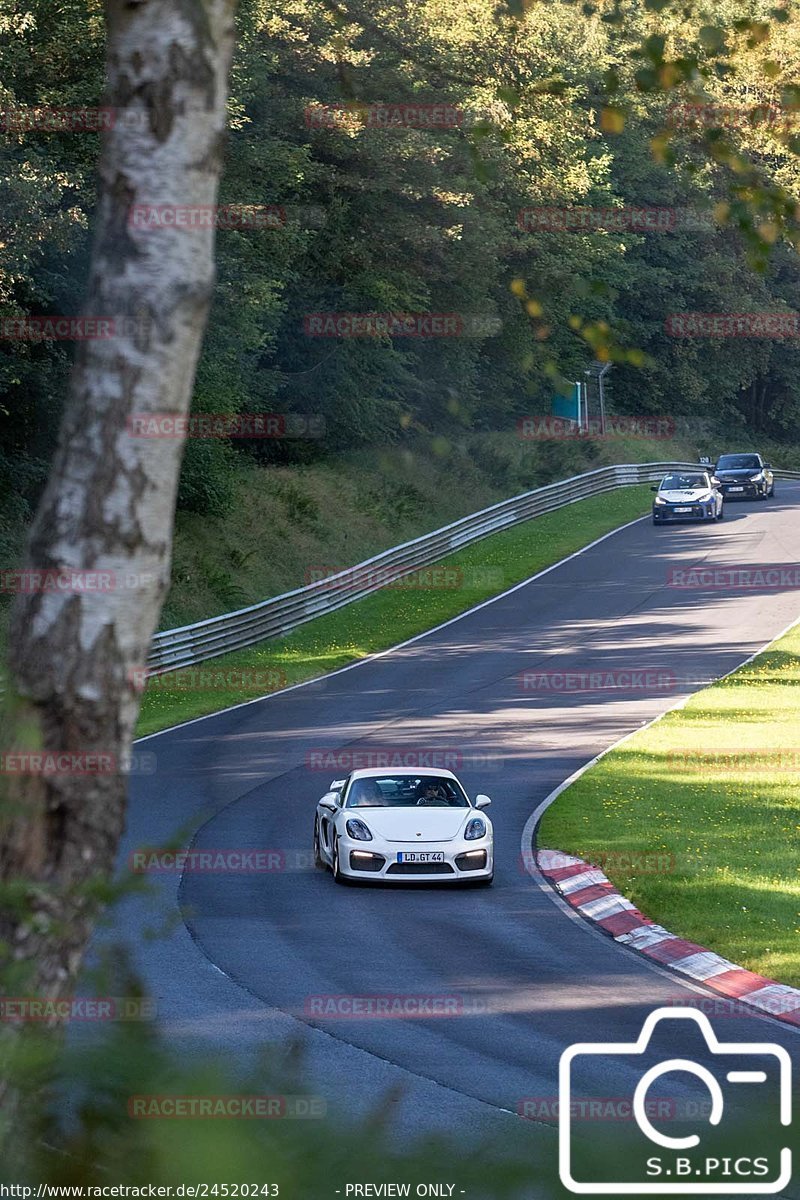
{"x":482,"y":801}
{"x":654,"y":488}
{"x":329,"y":801}
{"x":715,"y":482}
{"x":767,"y":466}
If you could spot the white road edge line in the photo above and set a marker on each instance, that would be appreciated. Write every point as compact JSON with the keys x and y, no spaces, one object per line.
{"x":400,"y":645}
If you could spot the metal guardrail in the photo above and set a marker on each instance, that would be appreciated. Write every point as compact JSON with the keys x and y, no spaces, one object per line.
{"x":191,"y":644}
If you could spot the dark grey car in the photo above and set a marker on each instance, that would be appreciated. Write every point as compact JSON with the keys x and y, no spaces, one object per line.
{"x":745,"y":477}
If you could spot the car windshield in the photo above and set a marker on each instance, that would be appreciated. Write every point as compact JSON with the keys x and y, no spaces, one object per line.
{"x":682,"y":483}
{"x":739,"y":462}
{"x":405,"y":791}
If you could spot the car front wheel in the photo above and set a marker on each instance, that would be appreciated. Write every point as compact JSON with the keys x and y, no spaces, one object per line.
{"x":335,"y":868}
{"x":317,"y":854}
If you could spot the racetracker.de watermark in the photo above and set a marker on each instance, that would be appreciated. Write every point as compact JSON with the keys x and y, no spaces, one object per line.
{"x":723,"y":325}
{"x":32,"y":581}
{"x":629,"y":862}
{"x":735,"y":760}
{"x":773,"y":999}
{"x":43,"y":118}
{"x":62,"y":328}
{"x":400,"y":115}
{"x":410,"y":325}
{"x":548,"y":428}
{"x":242,"y":680}
{"x":237,"y":861}
{"x":582,"y":220}
{"x":226,"y":1107}
{"x":207,"y":216}
{"x":424,"y":579}
{"x":225,"y":425}
{"x":77,"y":763}
{"x":397,"y":1005}
{"x":608,"y":1108}
{"x":757,"y":577}
{"x":781,"y":118}
{"x":43,"y":1009}
{"x":400,"y":1006}
{"x":390,"y":758}
{"x":646,"y":679}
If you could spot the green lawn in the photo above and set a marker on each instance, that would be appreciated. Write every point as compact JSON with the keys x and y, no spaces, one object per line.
{"x":396,"y":613}
{"x":714,"y":785}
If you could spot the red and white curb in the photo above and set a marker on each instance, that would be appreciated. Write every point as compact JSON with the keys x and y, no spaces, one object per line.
{"x":586,"y":889}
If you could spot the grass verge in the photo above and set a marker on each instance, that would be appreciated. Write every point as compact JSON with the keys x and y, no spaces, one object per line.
{"x":713,"y":785}
{"x":393,"y":614}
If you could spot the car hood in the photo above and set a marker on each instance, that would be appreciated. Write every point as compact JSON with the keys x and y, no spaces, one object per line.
{"x":413,"y":824}
{"x":687,"y":497}
{"x":739,"y":473}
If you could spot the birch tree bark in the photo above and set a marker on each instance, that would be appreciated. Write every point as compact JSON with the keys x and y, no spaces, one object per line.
{"x":109,"y":503}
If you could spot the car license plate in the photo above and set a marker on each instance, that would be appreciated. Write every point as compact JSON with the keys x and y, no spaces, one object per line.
{"x":420,"y":856}
{"x":736,"y":489}
{"x":686,"y":509}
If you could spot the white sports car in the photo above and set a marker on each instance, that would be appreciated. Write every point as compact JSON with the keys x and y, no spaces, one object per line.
{"x":404,"y":824}
{"x":688,"y":496}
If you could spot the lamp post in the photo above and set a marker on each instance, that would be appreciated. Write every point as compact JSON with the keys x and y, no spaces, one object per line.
{"x":600,"y":375}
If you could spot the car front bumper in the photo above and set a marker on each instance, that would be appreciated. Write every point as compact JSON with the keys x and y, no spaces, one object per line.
{"x":378,"y":861}
{"x":697,"y":512}
{"x":741,"y":489}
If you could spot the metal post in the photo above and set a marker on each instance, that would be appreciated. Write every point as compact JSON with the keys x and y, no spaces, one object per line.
{"x":602,"y":399}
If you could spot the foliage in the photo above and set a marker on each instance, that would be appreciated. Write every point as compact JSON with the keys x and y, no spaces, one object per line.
{"x":557,"y":105}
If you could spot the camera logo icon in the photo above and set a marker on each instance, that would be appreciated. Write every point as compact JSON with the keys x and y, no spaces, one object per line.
{"x":734,"y":1077}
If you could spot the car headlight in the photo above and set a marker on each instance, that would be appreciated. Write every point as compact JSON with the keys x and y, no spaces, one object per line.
{"x":756,"y":478}
{"x":659,"y":500}
{"x":705,"y":499}
{"x":358,"y":830}
{"x":475,"y":829}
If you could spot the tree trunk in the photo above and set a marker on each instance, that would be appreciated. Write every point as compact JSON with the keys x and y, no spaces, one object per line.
{"x":108,"y":506}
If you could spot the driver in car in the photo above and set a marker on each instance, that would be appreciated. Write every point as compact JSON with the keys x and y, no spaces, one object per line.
{"x":431,"y":792}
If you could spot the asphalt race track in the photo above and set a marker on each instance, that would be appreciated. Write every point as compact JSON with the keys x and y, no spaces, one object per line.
{"x":525,"y":980}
